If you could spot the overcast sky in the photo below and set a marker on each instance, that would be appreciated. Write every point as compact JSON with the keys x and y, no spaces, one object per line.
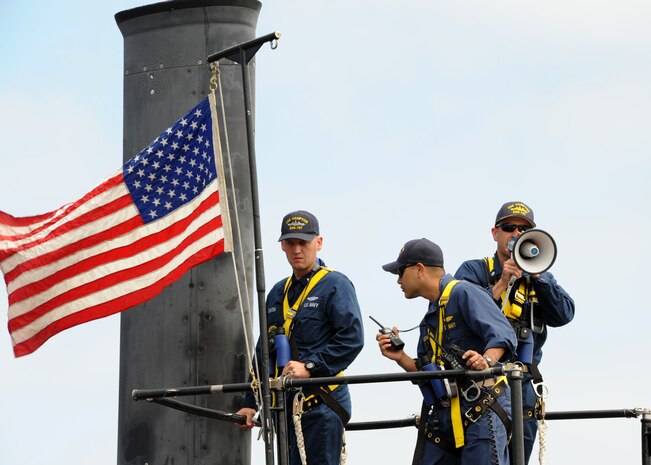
{"x":389,"y":120}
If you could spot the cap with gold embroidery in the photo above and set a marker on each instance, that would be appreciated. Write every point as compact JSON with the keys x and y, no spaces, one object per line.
{"x":515,"y":210}
{"x":299,"y":225}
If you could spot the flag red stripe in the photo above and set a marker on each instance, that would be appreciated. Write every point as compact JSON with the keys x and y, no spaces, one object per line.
{"x":112,"y":279}
{"x":86,"y":242}
{"x":56,"y":214}
{"x":113,"y":255}
{"x":117,"y":305}
{"x":88,"y":217}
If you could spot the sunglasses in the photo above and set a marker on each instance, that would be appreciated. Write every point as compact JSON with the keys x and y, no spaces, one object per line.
{"x":510,"y":227}
{"x":402,"y":269}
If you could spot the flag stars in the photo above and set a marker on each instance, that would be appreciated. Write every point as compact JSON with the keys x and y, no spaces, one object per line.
{"x":172,"y":170}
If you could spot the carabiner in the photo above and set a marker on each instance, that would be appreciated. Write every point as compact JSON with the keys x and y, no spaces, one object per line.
{"x":540,"y":389}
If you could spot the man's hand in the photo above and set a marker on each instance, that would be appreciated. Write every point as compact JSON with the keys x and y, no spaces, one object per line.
{"x":249,"y":413}
{"x":295,"y":369}
{"x":509,"y":270}
{"x":384,"y":342}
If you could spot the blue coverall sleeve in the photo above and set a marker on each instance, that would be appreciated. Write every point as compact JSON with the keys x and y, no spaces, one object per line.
{"x":484,"y":318}
{"x":555,"y":306}
{"x":473,"y":271}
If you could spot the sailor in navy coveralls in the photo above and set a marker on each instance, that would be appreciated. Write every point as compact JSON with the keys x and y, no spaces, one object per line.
{"x":318,"y":309}
{"x":542,"y":303}
{"x":462,"y":319}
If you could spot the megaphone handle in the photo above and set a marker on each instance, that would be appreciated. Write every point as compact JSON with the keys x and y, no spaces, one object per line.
{"x":507,"y":292}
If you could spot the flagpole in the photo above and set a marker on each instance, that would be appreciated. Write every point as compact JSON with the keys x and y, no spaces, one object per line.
{"x":242,"y":54}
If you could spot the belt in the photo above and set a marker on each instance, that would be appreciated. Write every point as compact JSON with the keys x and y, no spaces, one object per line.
{"x":486,"y":382}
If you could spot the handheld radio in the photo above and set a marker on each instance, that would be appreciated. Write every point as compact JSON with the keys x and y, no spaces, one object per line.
{"x":396,"y":342}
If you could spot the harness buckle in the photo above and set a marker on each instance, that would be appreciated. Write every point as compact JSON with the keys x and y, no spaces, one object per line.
{"x":472,"y":392}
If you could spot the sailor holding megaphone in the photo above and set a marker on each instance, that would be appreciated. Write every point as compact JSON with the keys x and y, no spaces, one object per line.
{"x":527,"y":293}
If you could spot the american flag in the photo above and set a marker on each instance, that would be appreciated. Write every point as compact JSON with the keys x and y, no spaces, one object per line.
{"x":124,"y":241}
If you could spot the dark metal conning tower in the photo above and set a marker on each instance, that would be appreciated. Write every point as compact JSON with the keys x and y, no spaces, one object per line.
{"x":191,"y":333}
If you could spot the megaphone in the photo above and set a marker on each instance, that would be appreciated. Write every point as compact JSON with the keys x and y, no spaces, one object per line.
{"x":533,"y":251}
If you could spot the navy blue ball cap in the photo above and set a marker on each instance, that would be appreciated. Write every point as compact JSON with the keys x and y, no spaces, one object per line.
{"x":515,"y":210}
{"x":300,"y":224}
{"x":417,"y":251}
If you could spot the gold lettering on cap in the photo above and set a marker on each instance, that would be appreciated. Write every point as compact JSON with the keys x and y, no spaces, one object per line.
{"x":518,"y":209}
{"x":296,"y":223}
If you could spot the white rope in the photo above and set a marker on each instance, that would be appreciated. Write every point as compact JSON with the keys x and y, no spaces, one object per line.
{"x":297,"y":413}
{"x":344,"y":452}
{"x":542,"y":441}
{"x":542,"y":431}
{"x":252,"y":367}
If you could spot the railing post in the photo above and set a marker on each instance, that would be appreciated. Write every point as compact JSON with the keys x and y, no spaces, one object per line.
{"x":646,"y":437}
{"x":514,"y":372}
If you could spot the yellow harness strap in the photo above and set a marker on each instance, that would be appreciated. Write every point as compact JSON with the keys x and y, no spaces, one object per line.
{"x":513,"y":308}
{"x":455,"y":402}
{"x":290,"y":312}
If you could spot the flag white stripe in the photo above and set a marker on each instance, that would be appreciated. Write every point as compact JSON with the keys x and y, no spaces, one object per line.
{"x":113,"y":292}
{"x":27,"y":305}
{"x":97,"y":202}
{"x":56,"y":215}
{"x":120,"y":216}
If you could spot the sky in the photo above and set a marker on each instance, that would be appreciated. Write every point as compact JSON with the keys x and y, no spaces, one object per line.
{"x":389,"y":120}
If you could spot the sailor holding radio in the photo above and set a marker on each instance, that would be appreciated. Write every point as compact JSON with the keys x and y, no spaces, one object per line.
{"x":465,"y":423}
{"x":535,"y":300}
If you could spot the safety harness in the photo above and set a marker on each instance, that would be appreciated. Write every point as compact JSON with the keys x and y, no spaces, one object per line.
{"x":513,"y":311}
{"x":316,"y":395}
{"x":487,"y":399}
